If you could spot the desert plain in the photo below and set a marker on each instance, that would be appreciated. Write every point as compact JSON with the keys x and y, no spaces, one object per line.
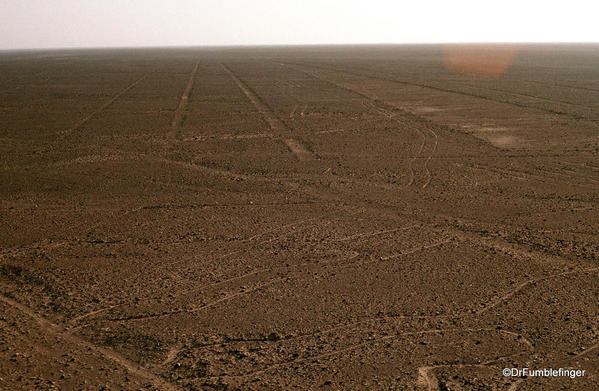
{"x":278,"y":218}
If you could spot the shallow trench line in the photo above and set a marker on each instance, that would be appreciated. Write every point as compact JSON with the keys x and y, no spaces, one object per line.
{"x":374,"y":102}
{"x":178,"y":117}
{"x":59,"y":331}
{"x":174,"y":273}
{"x":366,"y":343}
{"x":294,"y":145}
{"x":102,"y":108}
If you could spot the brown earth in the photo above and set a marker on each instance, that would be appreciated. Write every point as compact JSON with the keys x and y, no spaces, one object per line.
{"x":335,"y":218}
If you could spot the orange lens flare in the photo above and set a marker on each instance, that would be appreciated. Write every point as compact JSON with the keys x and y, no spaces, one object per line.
{"x":481,"y":60}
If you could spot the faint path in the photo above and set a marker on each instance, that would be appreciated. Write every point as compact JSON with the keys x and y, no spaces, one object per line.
{"x":587,"y":350}
{"x":507,"y":296}
{"x":428,"y":159}
{"x":208,"y":305}
{"x":197,"y":167}
{"x":416,"y":249}
{"x":375,"y":233}
{"x":516,"y":251}
{"x":391,"y":78}
{"x":102,"y":108}
{"x":229,"y":137}
{"x":296,"y":147}
{"x":296,"y":225}
{"x":370,"y":105}
{"x":427,"y":370}
{"x":92,"y":313}
{"x":180,"y":111}
{"x":492,"y":304}
{"x":549,"y":177}
{"x":422,"y":134}
{"x":428,"y":381}
{"x":535,"y":97}
{"x":89,"y":159}
{"x":59,"y":331}
{"x":563,"y":363}
{"x":44,"y":245}
{"x":196,"y":309}
{"x":387,"y":110}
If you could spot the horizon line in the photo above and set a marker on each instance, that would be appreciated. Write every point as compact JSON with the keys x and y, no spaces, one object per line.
{"x":273,"y":45}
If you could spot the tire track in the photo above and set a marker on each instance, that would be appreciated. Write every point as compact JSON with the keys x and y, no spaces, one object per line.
{"x":426,"y":375}
{"x":41,"y":246}
{"x":197,"y":167}
{"x":515,"y":251}
{"x":241,"y":251}
{"x":390,"y":115}
{"x":561,"y":363}
{"x":562,"y":85}
{"x":409,"y":317}
{"x":196,"y":309}
{"x":550,"y":177}
{"x":529,"y":96}
{"x":428,"y":159}
{"x":388,"y":110}
{"x":504,"y":298}
{"x":176,"y":273}
{"x":82,"y":122}
{"x":366,"y":343}
{"x":59,"y":331}
{"x":587,"y":350}
{"x":295,"y":146}
{"x":369,"y":106}
{"x":375,"y":233}
{"x":393,"y":79}
{"x":465,"y":313}
{"x":152,"y":299}
{"x":462,"y":314}
{"x":291,"y":272}
{"x":88,"y":159}
{"x":511,"y":249}
{"x":295,"y":226}
{"x":230,"y":137}
{"x":417,"y":249}
{"x":288,"y":275}
{"x":508,"y":249}
{"x":178,"y":117}
{"x":341,"y":326}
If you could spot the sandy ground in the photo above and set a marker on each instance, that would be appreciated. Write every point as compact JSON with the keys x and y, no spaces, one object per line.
{"x":335,"y":218}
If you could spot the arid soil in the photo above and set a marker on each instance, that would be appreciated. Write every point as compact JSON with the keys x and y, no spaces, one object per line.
{"x":324,"y":218}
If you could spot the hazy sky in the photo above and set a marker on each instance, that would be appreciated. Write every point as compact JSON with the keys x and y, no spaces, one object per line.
{"x":92,"y":23}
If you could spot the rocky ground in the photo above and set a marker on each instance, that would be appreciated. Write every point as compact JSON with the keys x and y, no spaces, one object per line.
{"x":335,"y":218}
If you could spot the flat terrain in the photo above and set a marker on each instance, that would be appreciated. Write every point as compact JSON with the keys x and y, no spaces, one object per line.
{"x":327,"y":218}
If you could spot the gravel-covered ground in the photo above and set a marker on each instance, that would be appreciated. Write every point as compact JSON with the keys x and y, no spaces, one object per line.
{"x":335,"y":218}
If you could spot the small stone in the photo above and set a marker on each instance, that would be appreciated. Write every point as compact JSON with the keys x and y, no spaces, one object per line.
{"x":273,"y":337}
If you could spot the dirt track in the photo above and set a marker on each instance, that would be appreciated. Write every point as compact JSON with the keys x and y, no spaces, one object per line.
{"x":298,"y":218}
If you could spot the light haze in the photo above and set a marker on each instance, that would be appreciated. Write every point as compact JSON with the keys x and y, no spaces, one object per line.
{"x":112,"y":23}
